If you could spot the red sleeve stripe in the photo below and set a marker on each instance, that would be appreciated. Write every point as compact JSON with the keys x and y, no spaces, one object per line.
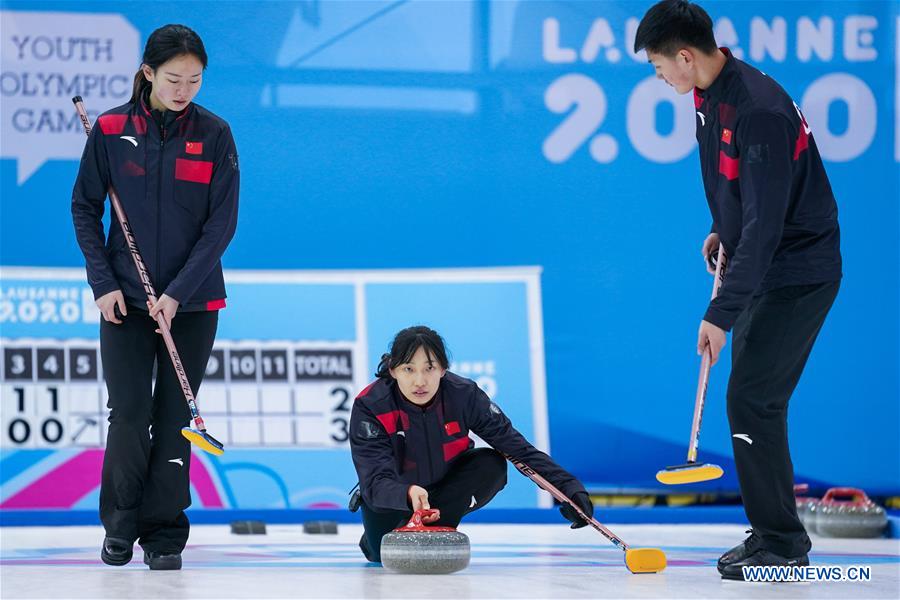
{"x":215,"y":304}
{"x":802,"y":142}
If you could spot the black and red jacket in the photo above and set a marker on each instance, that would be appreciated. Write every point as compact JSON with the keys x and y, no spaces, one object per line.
{"x":396,"y":444}
{"x":178,"y":179}
{"x":767,"y":189}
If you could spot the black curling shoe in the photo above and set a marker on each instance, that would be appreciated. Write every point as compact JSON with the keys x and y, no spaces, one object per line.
{"x":162,"y":561}
{"x":741,"y":551}
{"x":762,"y":558}
{"x":116,"y":551}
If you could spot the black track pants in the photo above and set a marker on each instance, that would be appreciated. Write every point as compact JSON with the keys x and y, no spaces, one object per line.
{"x":146,"y":467}
{"x":772,"y":340}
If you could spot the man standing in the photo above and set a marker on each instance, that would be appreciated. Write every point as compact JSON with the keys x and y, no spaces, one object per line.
{"x":775,"y":214}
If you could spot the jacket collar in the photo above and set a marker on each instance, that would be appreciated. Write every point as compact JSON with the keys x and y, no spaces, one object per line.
{"x":163,"y":118}
{"x":717,"y":89}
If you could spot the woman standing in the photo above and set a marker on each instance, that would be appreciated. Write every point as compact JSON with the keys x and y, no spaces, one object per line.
{"x":409,"y":437}
{"x":175,"y":167}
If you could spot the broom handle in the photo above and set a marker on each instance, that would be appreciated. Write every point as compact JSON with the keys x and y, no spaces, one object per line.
{"x":553,"y":491}
{"x":705,"y":366}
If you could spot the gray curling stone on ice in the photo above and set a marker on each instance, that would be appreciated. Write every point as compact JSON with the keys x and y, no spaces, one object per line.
{"x":248,"y":527}
{"x":806,"y":506}
{"x":316,"y":527}
{"x":849,"y":513}
{"x":417,"y":548}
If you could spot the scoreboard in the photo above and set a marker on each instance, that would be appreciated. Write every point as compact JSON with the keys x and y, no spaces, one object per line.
{"x":266,"y":394}
{"x":51,"y":394}
{"x":292,"y":351}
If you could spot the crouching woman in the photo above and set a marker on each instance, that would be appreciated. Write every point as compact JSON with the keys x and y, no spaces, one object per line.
{"x":409,"y":437}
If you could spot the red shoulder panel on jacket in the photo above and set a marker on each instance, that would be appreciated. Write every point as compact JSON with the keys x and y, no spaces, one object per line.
{"x":366,"y":390}
{"x":112,"y":124}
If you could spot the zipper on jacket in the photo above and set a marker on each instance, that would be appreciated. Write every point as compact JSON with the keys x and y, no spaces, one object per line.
{"x":162,"y":143}
{"x":428,"y":446}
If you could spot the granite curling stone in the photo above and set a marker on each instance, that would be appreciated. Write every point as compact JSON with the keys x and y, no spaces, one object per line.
{"x":849,"y":513}
{"x":806,"y":507}
{"x":319,"y":527}
{"x":248,"y":527}
{"x":419,"y":549}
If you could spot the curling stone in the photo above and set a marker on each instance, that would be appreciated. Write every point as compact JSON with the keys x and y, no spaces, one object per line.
{"x":812,"y":517}
{"x":849,"y":513}
{"x":420,"y":549}
{"x":316,"y":527}
{"x":806,"y":506}
{"x":248,"y":527}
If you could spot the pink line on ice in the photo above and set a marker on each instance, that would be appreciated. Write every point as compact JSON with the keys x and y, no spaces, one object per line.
{"x":55,"y":561}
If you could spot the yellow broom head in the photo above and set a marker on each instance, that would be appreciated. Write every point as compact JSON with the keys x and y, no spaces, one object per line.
{"x":689,"y":473}
{"x":645,"y":560}
{"x":203,"y":441}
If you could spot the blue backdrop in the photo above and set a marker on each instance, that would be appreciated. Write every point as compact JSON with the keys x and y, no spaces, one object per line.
{"x":446,"y":134}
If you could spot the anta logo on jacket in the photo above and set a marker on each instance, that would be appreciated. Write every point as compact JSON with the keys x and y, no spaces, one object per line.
{"x":177,"y":177}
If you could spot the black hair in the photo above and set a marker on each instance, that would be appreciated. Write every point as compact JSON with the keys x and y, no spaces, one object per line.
{"x":674,"y":24}
{"x":405,"y":345}
{"x":164,"y":44}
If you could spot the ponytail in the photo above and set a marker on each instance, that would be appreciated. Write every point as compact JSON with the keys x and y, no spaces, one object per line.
{"x":384,"y":367}
{"x":140,"y":82}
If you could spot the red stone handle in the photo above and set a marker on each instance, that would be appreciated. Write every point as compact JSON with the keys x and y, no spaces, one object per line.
{"x":856,"y":495}
{"x":417,"y":524}
{"x":418,"y":517}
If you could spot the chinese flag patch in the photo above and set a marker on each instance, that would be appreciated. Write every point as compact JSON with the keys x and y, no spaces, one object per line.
{"x":193,"y":147}
{"x":726,"y":135}
{"x":452,"y":427}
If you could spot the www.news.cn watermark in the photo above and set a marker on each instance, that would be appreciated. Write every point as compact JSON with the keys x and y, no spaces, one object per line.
{"x":802,"y":574}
